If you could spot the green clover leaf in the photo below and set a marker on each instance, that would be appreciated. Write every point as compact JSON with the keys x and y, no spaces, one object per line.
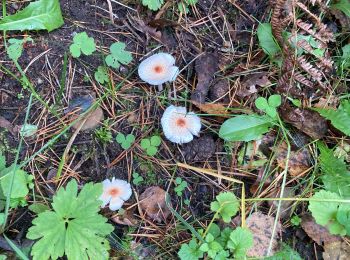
{"x":101,"y":75}
{"x":125,"y":141}
{"x":82,"y":43}
{"x":153,"y":5}
{"x":118,"y":55}
{"x":150,"y":145}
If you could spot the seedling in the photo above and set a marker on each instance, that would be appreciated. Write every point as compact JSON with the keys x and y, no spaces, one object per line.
{"x":103,"y":133}
{"x":101,"y":75}
{"x":15,"y":48}
{"x":269,"y":106}
{"x":180,"y":186}
{"x":137,"y":179}
{"x":295,"y":220}
{"x":125,"y":141}
{"x":118,"y":55}
{"x":153,"y":5}
{"x":82,"y":43}
{"x":150,"y":145}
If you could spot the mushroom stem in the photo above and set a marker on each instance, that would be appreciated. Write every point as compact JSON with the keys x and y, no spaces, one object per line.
{"x":160,"y":87}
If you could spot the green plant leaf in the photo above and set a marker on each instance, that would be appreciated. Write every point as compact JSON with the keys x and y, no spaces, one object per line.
{"x":118,"y":55}
{"x":285,"y":253}
{"x":245,"y":127}
{"x":335,"y":176}
{"x":20,"y":184}
{"x":155,"y":140}
{"x":226,"y":205}
{"x":271,"y":112}
{"x":214,"y":230}
{"x":339,"y":118}
{"x":28,"y":130}
{"x":261,"y":103}
{"x":101,"y":75}
{"x":152,"y":150}
{"x":266,"y":40}
{"x":82,"y":43}
{"x":275,"y":100}
{"x":130,"y":138}
{"x":342,"y":5}
{"x":241,"y":239}
{"x":2,"y":162}
{"x":324,"y":211}
{"x":120,"y":138}
{"x":38,"y":208}
{"x":343,"y":216}
{"x":74,"y":228}
{"x":190,"y":251}
{"x":344,"y":61}
{"x":15,"y":47}
{"x":145,"y":143}
{"x":38,"y":15}
{"x":153,"y":5}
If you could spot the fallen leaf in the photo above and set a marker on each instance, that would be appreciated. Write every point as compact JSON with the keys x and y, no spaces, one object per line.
{"x":299,"y":160}
{"x":307,"y":121}
{"x":316,"y":232}
{"x":285,"y":205}
{"x":126,"y":218}
{"x":4,"y":123}
{"x":92,"y":120}
{"x":328,"y":103}
{"x":206,"y":65}
{"x":152,"y":203}
{"x":261,"y":226}
{"x":219,"y":91}
{"x":250,"y":84}
{"x":162,"y":23}
{"x":337,"y":250}
{"x":213,"y":109}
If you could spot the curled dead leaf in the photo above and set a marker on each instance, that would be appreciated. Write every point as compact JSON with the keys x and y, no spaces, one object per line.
{"x":336,"y":250}
{"x":316,"y":232}
{"x":251,"y":83}
{"x":213,"y":109}
{"x":261,"y":226}
{"x":126,"y":219}
{"x":152,"y":203}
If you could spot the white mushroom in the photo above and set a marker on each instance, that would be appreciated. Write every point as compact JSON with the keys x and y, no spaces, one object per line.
{"x":158,"y":69}
{"x":180,"y":126}
{"x":115,"y":193}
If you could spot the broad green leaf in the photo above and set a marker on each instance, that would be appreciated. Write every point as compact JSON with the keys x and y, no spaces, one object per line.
{"x":275,"y":100}
{"x":101,"y":74}
{"x":82,"y":43}
{"x":38,"y":208}
{"x":241,"y":239}
{"x":226,"y":205}
{"x":266,"y":39}
{"x":339,"y":118}
{"x":153,"y":5}
{"x":335,"y":176}
{"x":75,"y":228}
{"x":20,"y":183}
{"x":2,"y":162}
{"x":271,"y":112}
{"x":152,"y":150}
{"x":343,"y":216}
{"x":324,"y":211}
{"x":120,"y":138}
{"x":118,"y":55}
{"x":261,"y":103}
{"x":38,"y":15}
{"x":145,"y":143}
{"x":342,"y":5}
{"x":190,"y":251}
{"x":344,"y":61}
{"x":245,"y":127}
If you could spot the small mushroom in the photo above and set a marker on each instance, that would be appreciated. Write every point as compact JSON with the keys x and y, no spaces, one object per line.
{"x":115,"y":193}
{"x":180,"y":126}
{"x":158,"y":69}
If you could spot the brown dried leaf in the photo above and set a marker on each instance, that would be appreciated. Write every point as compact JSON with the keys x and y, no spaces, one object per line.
{"x":219,"y":91}
{"x":299,"y":161}
{"x":307,"y":121}
{"x":316,"y":232}
{"x":4,"y":123}
{"x":285,"y":205}
{"x":337,"y":250}
{"x":206,"y":65}
{"x":213,"y":109}
{"x":93,"y":119}
{"x":152,"y":203}
{"x":250,"y":83}
{"x":126,"y":219}
{"x":261,"y":226}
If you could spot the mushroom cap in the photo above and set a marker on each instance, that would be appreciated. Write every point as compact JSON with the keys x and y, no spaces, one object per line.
{"x":115,"y":193}
{"x":180,"y":126}
{"x":158,"y":69}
